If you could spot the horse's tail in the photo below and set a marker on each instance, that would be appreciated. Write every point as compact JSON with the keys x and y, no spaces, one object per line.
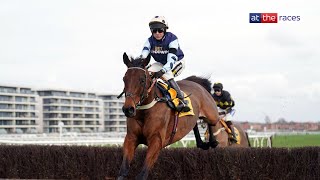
{"x":248,"y":139}
{"x":204,"y":82}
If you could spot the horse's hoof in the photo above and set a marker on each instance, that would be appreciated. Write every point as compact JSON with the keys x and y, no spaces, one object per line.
{"x":214,"y":144}
{"x":204,"y":146}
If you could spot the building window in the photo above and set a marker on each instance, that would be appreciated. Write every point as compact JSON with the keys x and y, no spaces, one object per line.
{"x":77,"y":102}
{"x":6,"y":114}
{"x":5,"y":98}
{"x":65,"y":101}
{"x":25,"y":91}
{"x":22,"y":114}
{"x":45,"y":93}
{"x":74,"y":94}
{"x":32,"y":99}
{"x":89,"y":109}
{"x":77,"y":108}
{"x":88,"y":102}
{"x":6,"y":122}
{"x":8,"y":89}
{"x":21,"y":99}
{"x":65,"y":108}
{"x":59,"y":93}
{"x":90,"y":95}
{"x":21,"y":107}
{"x":5,"y":106}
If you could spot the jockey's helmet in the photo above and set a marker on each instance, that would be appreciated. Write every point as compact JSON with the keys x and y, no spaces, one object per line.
{"x":217,"y":85}
{"x":158,"y":22}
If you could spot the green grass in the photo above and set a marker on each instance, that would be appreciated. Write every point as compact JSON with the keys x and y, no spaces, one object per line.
{"x":179,"y":144}
{"x":279,"y":141}
{"x":296,"y":140}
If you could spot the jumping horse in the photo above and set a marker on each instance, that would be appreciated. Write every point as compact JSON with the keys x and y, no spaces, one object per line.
{"x":153,"y":123}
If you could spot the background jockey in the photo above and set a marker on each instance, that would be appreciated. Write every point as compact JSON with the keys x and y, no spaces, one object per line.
{"x":225,"y":103}
{"x":165,"y":50}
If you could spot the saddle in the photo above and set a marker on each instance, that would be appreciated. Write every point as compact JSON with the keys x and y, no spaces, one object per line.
{"x":170,"y":97}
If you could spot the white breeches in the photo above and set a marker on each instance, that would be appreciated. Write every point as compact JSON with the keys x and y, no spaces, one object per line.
{"x":228,"y":116}
{"x":178,"y":67}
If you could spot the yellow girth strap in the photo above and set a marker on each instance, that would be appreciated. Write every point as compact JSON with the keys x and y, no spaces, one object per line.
{"x":225,"y":125}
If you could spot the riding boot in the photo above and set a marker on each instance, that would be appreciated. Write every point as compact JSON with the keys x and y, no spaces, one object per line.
{"x":232,"y":138}
{"x":183,"y":105}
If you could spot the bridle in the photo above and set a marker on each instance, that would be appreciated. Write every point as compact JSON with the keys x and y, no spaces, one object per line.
{"x":146,"y":90}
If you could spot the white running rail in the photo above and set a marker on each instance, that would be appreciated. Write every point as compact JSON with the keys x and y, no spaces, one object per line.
{"x":110,"y":139}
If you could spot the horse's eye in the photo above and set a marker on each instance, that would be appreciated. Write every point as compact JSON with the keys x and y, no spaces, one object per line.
{"x":142,"y":80}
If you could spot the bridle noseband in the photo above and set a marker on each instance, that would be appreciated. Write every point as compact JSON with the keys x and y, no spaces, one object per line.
{"x":145,"y":93}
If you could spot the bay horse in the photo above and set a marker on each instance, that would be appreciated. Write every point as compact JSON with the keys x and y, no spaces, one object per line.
{"x":220,"y":130}
{"x":221,"y":134}
{"x":150,"y":122}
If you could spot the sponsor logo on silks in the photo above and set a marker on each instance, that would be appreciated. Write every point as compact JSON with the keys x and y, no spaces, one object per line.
{"x":158,"y":50}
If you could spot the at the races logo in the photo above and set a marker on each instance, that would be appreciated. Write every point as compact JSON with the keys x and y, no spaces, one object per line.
{"x":271,"y":18}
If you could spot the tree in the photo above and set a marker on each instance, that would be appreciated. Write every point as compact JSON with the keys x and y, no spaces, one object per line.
{"x":282,"y":121}
{"x":267,"y":119}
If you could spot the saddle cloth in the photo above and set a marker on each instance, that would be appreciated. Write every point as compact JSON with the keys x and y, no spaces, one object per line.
{"x":173,"y":101}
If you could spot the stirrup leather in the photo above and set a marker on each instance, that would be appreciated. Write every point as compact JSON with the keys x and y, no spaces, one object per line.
{"x":182,"y":106}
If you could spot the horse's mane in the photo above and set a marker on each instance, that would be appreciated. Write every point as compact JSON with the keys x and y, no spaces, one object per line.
{"x":205,"y":82}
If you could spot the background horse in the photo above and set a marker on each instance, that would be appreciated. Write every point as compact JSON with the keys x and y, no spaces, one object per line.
{"x":218,"y":131}
{"x":151,"y":122}
{"x":222,"y":136}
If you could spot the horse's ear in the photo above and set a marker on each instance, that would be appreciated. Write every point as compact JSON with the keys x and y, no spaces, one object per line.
{"x":146,"y":60}
{"x":126,"y":60}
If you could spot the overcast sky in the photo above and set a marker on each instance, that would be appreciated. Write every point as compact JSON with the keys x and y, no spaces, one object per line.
{"x":269,"y":69}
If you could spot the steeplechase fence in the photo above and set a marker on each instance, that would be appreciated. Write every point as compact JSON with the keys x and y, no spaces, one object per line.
{"x":96,"y":162}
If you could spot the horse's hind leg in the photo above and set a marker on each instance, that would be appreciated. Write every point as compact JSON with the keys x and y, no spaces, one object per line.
{"x":129,"y":146}
{"x":154,"y":147}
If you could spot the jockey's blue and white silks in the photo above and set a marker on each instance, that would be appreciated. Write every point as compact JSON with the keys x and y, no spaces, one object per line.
{"x":165,"y":51}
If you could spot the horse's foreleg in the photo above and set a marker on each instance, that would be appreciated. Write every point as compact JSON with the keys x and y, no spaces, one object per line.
{"x":129,"y":146}
{"x":199,"y":142}
{"x":154,"y":147}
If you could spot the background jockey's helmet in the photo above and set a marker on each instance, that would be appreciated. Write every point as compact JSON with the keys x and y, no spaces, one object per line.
{"x":218,"y":86}
{"x":158,"y":22}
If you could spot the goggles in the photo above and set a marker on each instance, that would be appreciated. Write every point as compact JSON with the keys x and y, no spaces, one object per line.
{"x":159,"y":30}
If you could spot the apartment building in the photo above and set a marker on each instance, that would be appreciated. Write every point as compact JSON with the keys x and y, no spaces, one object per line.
{"x":20,"y":111}
{"x":114,"y":119}
{"x":74,"y":111}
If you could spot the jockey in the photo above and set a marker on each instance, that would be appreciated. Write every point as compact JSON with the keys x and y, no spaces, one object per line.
{"x":165,"y":50}
{"x":225,"y":104}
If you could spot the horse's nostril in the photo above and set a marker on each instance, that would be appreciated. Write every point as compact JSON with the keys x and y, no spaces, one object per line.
{"x":131,"y":110}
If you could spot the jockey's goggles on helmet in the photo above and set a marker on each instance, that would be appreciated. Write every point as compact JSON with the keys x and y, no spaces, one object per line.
{"x":217,"y":90}
{"x":159,"y":30}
